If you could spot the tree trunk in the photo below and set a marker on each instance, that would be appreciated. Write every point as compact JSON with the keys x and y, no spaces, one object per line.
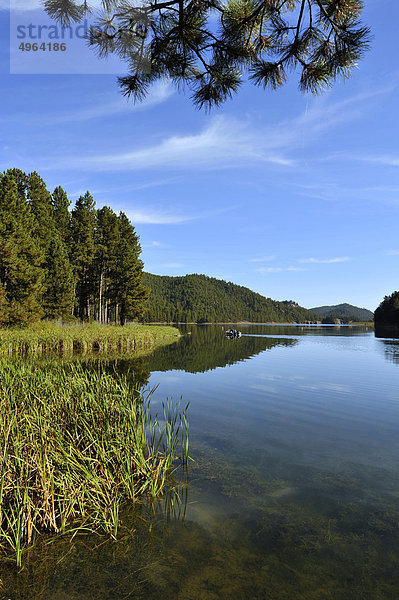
{"x":100,"y":298}
{"x":87,"y":301}
{"x":122,"y":317}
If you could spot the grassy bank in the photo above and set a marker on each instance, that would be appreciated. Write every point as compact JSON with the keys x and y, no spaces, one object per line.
{"x":75,"y":446}
{"x":44,"y":337}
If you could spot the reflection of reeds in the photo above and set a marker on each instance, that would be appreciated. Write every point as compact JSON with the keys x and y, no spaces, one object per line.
{"x":75,"y":445}
{"x":45,"y":337}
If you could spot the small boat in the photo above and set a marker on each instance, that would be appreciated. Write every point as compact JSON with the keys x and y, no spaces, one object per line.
{"x":233,"y":333}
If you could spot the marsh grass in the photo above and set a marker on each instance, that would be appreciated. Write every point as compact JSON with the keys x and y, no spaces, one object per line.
{"x":49,"y":337}
{"x":75,"y":446}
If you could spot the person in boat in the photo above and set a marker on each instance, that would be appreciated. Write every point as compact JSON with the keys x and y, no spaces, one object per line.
{"x":233,"y":333}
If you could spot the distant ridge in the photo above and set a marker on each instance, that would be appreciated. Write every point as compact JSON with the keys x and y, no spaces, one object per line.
{"x":346,"y":312}
{"x":202,"y":299}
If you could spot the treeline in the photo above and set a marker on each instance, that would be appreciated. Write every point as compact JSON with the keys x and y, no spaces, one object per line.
{"x":60,"y":264}
{"x":202,"y":299}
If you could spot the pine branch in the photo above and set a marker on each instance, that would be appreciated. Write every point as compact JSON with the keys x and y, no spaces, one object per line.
{"x":259,"y":38}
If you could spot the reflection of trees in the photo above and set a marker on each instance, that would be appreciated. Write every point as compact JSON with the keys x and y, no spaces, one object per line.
{"x":207,"y":347}
{"x":390,"y":349}
{"x":200,"y":349}
{"x":386,"y":332}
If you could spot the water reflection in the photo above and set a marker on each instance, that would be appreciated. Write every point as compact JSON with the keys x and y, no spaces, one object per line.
{"x":203,"y":348}
{"x":386,"y":331}
{"x":390,"y":347}
{"x":200,"y":349}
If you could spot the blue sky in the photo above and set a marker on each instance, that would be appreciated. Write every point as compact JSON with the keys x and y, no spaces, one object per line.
{"x":294,"y":196}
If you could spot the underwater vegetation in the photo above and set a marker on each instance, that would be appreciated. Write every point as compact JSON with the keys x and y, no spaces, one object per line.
{"x":75,"y":446}
{"x":279,"y":536}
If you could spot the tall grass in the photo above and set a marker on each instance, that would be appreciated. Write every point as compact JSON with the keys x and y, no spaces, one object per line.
{"x":44,"y":337}
{"x":74,"y":446}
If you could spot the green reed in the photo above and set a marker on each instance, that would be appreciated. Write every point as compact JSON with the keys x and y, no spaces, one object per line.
{"x":46,"y":336}
{"x":74,"y":446}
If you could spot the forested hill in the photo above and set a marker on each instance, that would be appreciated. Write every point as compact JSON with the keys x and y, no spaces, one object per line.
{"x":346,"y":312}
{"x":202,"y":299}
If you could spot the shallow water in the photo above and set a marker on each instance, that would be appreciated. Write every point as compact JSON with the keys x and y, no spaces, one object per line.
{"x":294,"y":488}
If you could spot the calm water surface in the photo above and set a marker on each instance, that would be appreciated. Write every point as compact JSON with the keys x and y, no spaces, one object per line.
{"x":294,"y":488}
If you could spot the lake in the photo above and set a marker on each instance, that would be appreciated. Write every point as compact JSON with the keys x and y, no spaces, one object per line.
{"x":293,"y":491}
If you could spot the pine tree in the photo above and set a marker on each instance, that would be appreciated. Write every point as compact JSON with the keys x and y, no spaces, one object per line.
{"x":106,"y":241}
{"x":58,"y":300}
{"x":83,"y":221}
{"x":21,"y":258}
{"x":21,"y":180}
{"x":62,"y":217}
{"x":42,"y":208}
{"x":51,"y":232}
{"x":129,"y":293}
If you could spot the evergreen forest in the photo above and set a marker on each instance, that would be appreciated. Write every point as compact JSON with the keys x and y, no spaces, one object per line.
{"x":202,"y":299}
{"x":345,"y":312}
{"x":57,"y":263}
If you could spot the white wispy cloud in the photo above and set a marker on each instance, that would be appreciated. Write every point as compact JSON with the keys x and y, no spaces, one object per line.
{"x":393,"y":253}
{"x":321,"y":116}
{"x":226,"y":142}
{"x":262,"y":259}
{"x":166,"y":216}
{"x":159,"y":93}
{"x":389,"y":189}
{"x":331,"y":191}
{"x":387,"y":160}
{"x":325,"y":261}
{"x":157,"y":217}
{"x":324,"y":114}
{"x":266,"y":270}
{"x":123,"y":189}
